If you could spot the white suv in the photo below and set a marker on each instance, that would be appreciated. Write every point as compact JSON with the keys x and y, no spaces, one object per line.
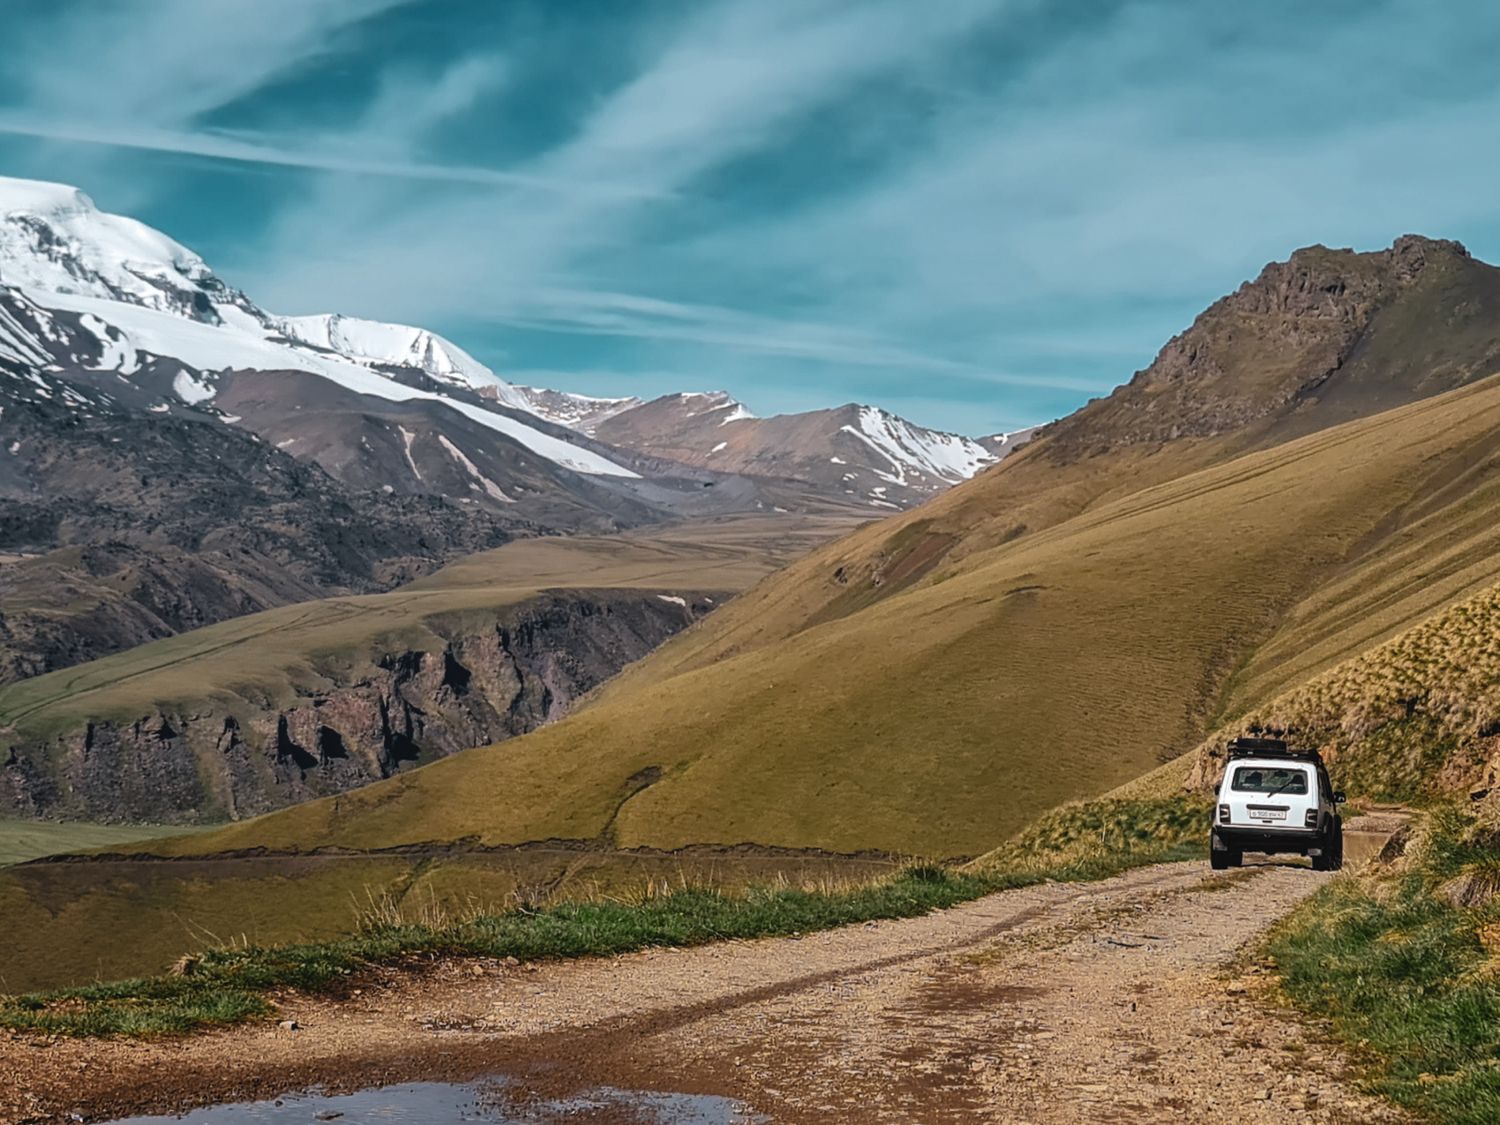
{"x":1273,"y":799}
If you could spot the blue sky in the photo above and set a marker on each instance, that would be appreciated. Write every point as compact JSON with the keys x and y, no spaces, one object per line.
{"x":979,"y":213}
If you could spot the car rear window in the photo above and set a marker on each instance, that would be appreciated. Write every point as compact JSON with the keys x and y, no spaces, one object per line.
{"x":1269,"y":779}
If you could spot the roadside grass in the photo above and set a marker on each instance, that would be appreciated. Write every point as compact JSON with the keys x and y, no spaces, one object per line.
{"x":1406,"y":963}
{"x":21,"y":840}
{"x":1091,"y":831}
{"x":229,"y":985}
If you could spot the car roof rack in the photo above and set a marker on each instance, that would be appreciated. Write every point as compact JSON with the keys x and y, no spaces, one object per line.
{"x":1270,"y":748}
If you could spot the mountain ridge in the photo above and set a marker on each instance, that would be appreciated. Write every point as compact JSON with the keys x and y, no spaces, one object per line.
{"x":151,"y":295}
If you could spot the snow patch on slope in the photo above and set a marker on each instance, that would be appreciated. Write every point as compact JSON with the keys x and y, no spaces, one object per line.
{"x":191,"y":391}
{"x":913,"y":449}
{"x":491,"y":489}
{"x":18,"y":342}
{"x":115,"y":353}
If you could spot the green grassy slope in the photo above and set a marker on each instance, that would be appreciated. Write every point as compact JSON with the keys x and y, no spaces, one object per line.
{"x":943,"y":716}
{"x":263,"y":659}
{"x":22,"y":840}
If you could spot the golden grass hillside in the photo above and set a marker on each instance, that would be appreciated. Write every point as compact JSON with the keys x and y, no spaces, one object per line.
{"x":1413,"y":719}
{"x":1325,"y":338}
{"x":942,"y":717}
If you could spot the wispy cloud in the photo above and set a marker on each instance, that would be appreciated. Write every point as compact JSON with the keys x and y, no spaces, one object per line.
{"x":162,"y":61}
{"x":249,"y":149}
{"x":723,"y":84}
{"x":624,"y":315}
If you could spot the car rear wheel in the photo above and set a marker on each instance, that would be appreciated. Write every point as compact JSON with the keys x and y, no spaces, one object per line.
{"x":1330,"y":849}
{"x":1220,"y":857}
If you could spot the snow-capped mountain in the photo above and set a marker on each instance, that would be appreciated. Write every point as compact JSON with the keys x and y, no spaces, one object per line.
{"x":113,"y":296}
{"x":861,"y":452}
{"x":154,"y":298}
{"x":54,"y":240}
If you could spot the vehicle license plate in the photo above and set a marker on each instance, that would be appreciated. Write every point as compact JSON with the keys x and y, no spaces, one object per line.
{"x":1268,"y":814}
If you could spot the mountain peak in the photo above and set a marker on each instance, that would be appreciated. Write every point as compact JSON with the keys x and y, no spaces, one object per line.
{"x":1293,"y":336}
{"x":43,"y":198}
{"x":54,"y":240}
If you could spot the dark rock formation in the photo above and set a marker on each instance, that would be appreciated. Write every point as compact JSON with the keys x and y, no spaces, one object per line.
{"x":236,"y":759}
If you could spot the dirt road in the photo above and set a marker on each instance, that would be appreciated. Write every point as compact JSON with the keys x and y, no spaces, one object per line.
{"x":1126,"y":1000}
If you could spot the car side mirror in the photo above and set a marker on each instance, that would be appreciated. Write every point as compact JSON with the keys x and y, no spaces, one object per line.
{"x":1339,"y":797}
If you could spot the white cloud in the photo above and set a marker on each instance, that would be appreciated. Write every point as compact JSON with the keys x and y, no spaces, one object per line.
{"x":169,"y":61}
{"x":329,"y":155}
{"x":720,"y":85}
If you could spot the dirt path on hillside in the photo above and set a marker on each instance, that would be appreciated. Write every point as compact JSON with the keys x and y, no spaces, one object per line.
{"x":1125,"y":1000}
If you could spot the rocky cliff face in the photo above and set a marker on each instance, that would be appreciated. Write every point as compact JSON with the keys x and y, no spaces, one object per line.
{"x":170,"y":765}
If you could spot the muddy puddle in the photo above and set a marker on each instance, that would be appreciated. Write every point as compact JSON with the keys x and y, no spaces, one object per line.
{"x":482,"y":1103}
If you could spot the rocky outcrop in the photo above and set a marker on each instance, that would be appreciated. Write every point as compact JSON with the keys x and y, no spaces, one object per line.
{"x":1325,"y":321}
{"x":239,"y":759}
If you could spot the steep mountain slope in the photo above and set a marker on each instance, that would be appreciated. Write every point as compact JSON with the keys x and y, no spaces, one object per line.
{"x":1414,"y":718}
{"x":1057,"y":626}
{"x":419,"y":447}
{"x":859,"y":451}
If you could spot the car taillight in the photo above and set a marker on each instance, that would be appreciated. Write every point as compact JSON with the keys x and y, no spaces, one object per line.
{"x":1311,"y":819}
{"x":1223,"y":814}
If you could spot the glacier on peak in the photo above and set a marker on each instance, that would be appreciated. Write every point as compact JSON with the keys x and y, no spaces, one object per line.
{"x":396,"y":345}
